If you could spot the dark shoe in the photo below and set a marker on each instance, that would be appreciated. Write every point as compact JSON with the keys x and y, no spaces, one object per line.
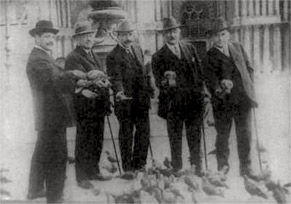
{"x":101,"y":177}
{"x":60,"y":200}
{"x":250,"y":174}
{"x":40,"y":194}
{"x":129,"y":175}
{"x":223,"y":172}
{"x":85,"y":184}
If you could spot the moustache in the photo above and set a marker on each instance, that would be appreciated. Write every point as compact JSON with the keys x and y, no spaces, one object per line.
{"x":50,"y":44}
{"x":127,"y":41}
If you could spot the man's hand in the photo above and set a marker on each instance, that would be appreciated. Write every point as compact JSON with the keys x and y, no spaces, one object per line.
{"x":171,"y":76}
{"x":227,"y":85}
{"x":88,"y":94}
{"x":120,"y":96}
{"x":76,"y":74}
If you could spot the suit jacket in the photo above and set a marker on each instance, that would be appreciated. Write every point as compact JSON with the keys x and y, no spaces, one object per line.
{"x":129,"y":75}
{"x":164,"y":60}
{"x":215,"y":69}
{"x":78,"y":59}
{"x":50,"y":86}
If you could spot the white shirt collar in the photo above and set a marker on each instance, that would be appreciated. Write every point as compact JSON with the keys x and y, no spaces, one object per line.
{"x":39,"y":47}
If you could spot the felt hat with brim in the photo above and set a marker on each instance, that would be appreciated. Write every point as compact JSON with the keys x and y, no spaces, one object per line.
{"x":83,"y":27}
{"x":43,"y":26}
{"x":218,"y":25}
{"x":125,"y":26}
{"x":170,"y":23}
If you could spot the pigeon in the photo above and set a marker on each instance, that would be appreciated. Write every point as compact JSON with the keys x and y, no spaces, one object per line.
{"x":279,"y":193}
{"x":125,"y":198}
{"x":96,"y":191}
{"x":191,"y":183}
{"x":209,"y":189}
{"x":254,"y":188}
{"x":167,"y":163}
{"x":111,"y":168}
{"x":145,"y":197}
{"x":168,"y":197}
{"x":71,"y":160}
{"x":3,"y":180}
{"x":110,"y":158}
{"x":128,"y":176}
{"x":2,"y":170}
{"x":212,"y":152}
{"x":216,"y":180}
{"x":4,"y":192}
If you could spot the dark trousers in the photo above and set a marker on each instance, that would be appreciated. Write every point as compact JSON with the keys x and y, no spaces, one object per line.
{"x":193,"y":133}
{"x":89,"y":143}
{"x":224,"y":114}
{"x":134,"y":149}
{"x":48,"y":164}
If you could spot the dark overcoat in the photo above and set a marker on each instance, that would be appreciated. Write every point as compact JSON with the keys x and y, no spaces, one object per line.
{"x":216,"y":68}
{"x":164,"y":60}
{"x":130,"y":76}
{"x":78,"y":59}
{"x":50,"y":88}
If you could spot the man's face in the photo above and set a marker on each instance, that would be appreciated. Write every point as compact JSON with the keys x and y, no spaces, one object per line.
{"x":45,"y":40}
{"x":85,"y":40}
{"x":126,"y":38}
{"x":221,"y":38}
{"x":172,"y":36}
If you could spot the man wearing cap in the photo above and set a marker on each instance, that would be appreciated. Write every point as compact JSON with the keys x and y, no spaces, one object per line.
{"x":178,"y":75}
{"x":90,"y":108}
{"x":229,"y":77}
{"x":48,"y":83}
{"x":125,"y":66}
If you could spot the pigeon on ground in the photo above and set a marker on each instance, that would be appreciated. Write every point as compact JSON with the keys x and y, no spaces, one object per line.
{"x":191,"y":183}
{"x":110,"y":158}
{"x":111,"y":168}
{"x":167,"y":163}
{"x":209,"y":189}
{"x":254,"y":188}
{"x":128,"y":176}
{"x":3,"y":180}
{"x":216,"y":180}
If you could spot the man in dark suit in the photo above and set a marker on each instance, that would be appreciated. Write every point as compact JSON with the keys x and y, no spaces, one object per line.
{"x":90,"y":107}
{"x":125,"y":66}
{"x":178,"y":76}
{"x":49,"y":83}
{"x":229,"y":77}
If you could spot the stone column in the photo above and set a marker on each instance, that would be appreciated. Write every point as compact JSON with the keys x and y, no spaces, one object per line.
{"x":244,"y":8}
{"x":264,"y":7}
{"x":236,"y":8}
{"x":247,"y":42}
{"x":257,"y":48}
{"x":277,"y":48}
{"x":257,"y":7}
{"x":251,"y":7}
{"x":271,"y":7}
{"x":266,"y":49}
{"x":277,"y":7}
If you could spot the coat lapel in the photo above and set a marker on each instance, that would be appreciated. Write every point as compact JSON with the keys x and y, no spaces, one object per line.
{"x":137,"y":54}
{"x":186,"y":53}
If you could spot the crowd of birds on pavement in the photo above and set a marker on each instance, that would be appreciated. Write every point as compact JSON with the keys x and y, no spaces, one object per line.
{"x":160,"y":184}
{"x":4,"y":194}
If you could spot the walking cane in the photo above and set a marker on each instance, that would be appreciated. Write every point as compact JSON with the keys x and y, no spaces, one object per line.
{"x":257,"y":137}
{"x":204,"y":143}
{"x":111,"y":133}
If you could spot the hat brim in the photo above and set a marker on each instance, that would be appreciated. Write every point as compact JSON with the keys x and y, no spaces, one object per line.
{"x":84,"y":32}
{"x":124,"y":31}
{"x":170,"y":28}
{"x":213,"y":32}
{"x":35,"y":31}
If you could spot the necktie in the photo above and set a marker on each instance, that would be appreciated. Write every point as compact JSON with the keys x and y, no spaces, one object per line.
{"x":226,"y":51}
{"x":90,"y":55}
{"x":177,"y":51}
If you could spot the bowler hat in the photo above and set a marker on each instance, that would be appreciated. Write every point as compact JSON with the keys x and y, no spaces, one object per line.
{"x":83,"y":27}
{"x":170,"y":23}
{"x":43,"y":26}
{"x":125,"y":26}
{"x":219,"y":24}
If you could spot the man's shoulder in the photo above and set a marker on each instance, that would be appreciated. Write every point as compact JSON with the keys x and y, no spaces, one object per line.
{"x":38,"y":55}
{"x":73,"y":54}
{"x":160,"y":52}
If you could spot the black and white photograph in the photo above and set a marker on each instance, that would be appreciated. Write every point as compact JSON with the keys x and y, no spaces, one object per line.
{"x":145,"y":101}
